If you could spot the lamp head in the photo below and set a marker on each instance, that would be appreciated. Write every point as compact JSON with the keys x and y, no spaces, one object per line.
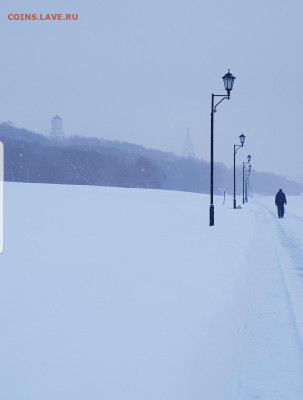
{"x":228,"y":80}
{"x":249,"y":158}
{"x":242,"y":139}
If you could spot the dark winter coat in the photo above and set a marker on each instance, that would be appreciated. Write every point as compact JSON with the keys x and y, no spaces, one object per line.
{"x":280,"y":198}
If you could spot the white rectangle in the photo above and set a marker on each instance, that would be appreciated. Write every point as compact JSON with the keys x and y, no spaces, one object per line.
{"x":1,"y":195}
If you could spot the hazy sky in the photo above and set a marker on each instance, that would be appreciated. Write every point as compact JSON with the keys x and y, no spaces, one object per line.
{"x":143,"y":71}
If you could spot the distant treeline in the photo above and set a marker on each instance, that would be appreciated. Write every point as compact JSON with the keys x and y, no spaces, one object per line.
{"x":31,"y":157}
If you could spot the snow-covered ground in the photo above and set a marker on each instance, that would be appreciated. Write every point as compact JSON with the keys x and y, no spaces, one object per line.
{"x":1,"y":195}
{"x":109,"y":293}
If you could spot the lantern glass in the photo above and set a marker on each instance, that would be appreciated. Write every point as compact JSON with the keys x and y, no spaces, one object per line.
{"x":228,"y":80}
{"x":248,"y":158}
{"x":242,"y":139}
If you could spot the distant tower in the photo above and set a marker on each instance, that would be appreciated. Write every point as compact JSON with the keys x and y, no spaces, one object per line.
{"x":188,"y":147}
{"x":56,"y":129}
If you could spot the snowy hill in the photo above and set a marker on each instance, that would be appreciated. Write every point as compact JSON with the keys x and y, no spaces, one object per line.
{"x":110,"y":293}
{"x":34,"y":158}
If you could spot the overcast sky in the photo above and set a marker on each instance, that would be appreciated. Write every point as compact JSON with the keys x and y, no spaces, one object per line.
{"x":143,"y":71}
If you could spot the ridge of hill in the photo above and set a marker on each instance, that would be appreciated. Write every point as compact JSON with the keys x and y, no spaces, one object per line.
{"x":32,"y":157}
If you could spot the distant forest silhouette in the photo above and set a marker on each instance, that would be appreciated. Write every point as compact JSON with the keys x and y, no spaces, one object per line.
{"x":32,"y":157}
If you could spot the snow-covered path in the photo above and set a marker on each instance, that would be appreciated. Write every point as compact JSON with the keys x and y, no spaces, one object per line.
{"x":272,"y":358}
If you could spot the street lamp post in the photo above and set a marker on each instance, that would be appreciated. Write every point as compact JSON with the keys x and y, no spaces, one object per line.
{"x":236,"y":148}
{"x":247,"y":182}
{"x":244,"y":165}
{"x":228,"y":80}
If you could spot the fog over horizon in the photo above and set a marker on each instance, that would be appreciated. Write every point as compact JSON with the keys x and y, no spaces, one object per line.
{"x":143,"y":73}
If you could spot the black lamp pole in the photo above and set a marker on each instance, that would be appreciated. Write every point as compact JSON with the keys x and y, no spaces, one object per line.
{"x":228,"y":80}
{"x":236,"y":148}
{"x":247,"y":182}
{"x":244,"y":165}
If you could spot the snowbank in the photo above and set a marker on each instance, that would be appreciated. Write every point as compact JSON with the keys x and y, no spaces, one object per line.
{"x":110,"y":293}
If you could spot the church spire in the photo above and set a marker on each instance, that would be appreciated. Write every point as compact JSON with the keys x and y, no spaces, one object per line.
{"x":188,"y":147}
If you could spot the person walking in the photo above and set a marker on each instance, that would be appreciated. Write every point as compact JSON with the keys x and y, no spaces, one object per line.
{"x":280,"y":200}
